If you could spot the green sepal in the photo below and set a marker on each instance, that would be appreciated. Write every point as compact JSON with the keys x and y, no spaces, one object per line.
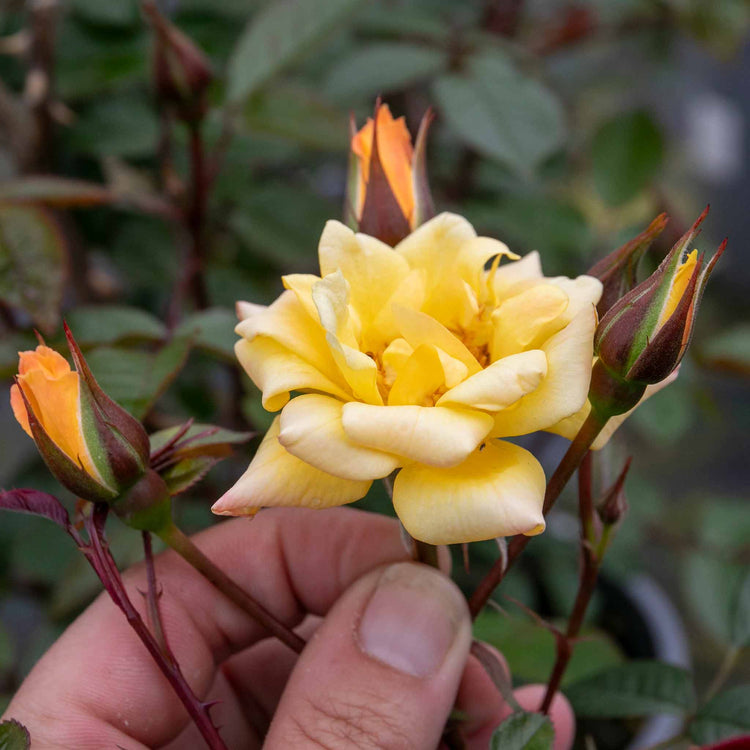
{"x":618,"y":270}
{"x":117,"y":442}
{"x":424,"y":206}
{"x":147,"y":505}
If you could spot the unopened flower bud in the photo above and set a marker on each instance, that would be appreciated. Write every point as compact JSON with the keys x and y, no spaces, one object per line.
{"x":93,"y":446}
{"x":617,"y":271}
{"x":614,"y":504}
{"x":182,"y":73}
{"x":644,"y":336}
{"x":147,"y":505}
{"x":387,"y":193}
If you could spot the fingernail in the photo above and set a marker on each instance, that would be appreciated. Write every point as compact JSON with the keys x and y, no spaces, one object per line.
{"x":412,"y":619}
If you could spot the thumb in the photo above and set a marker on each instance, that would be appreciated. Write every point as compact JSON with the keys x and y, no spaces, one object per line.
{"x":384,"y":667}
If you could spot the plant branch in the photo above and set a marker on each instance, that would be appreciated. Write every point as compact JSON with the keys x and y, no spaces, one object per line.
{"x":152,"y":598}
{"x":100,"y":558}
{"x":562,"y":474}
{"x":174,"y":538}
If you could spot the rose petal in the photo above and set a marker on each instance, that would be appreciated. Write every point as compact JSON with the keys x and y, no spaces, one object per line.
{"x":497,"y":491}
{"x":287,"y":322}
{"x":565,"y":388}
{"x":311,"y":430}
{"x":277,"y":371}
{"x":373,"y":270}
{"x":569,"y":427}
{"x":433,"y":435}
{"x":501,"y":384}
{"x":277,"y":478}
{"x":527,"y":320}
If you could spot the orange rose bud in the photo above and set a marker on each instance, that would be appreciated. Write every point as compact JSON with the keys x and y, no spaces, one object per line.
{"x":387,"y":192}
{"x":181,"y":72}
{"x":645,"y":334}
{"x":92,"y":445}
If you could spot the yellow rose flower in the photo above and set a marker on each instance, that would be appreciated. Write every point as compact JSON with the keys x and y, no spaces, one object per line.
{"x":421,"y":359}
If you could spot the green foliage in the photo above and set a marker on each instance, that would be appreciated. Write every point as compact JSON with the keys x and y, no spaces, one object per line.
{"x":715,"y":579}
{"x":211,"y":330}
{"x":524,"y":731}
{"x":32,"y":263}
{"x":626,"y":155}
{"x":280,"y":33}
{"x":136,"y":379}
{"x":530,"y":648}
{"x":111,"y":324}
{"x":724,"y":716}
{"x":500,"y":111}
{"x":14,"y":736}
{"x":382,"y":67}
{"x":637,"y":688}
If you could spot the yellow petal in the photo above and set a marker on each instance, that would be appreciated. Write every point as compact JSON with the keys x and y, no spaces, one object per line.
{"x":501,"y":384}
{"x":277,"y":371}
{"x":246,"y":310}
{"x":433,"y":435}
{"x":497,"y":491}
{"x":527,"y":320}
{"x":678,"y":286}
{"x":565,"y":388}
{"x":418,"y":379}
{"x":311,"y":429}
{"x":277,"y":478}
{"x":373,"y":270}
{"x":582,"y":292}
{"x":286,"y":322}
{"x":418,"y":329}
{"x":301,"y":284}
{"x":512,"y":278}
{"x":331,"y":298}
{"x":436,"y":244}
{"x":569,"y":427}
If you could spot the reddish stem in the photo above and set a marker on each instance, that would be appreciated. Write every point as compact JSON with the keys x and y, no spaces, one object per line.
{"x":104,"y":565}
{"x":565,"y":645}
{"x":181,"y":544}
{"x":567,"y":466}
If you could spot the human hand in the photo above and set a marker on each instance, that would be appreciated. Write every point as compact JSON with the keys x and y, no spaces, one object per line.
{"x":384,"y":668}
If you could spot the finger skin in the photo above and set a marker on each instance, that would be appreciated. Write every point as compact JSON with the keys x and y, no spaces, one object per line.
{"x":383,"y":669}
{"x":98,"y":687}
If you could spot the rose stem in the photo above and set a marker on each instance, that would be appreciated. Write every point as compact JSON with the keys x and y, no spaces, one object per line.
{"x":101,"y":561}
{"x":181,"y":544}
{"x":567,"y":466}
{"x":589,"y":574}
{"x":152,"y":598}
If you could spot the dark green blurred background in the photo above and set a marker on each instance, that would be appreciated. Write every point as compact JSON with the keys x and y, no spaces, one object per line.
{"x":561,"y":126}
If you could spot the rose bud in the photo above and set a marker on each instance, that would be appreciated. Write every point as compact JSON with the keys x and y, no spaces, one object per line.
{"x":387,"y":190}
{"x":93,"y":446}
{"x":643,"y":337}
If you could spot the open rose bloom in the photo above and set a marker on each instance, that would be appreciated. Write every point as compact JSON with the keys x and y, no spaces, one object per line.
{"x":419,"y":358}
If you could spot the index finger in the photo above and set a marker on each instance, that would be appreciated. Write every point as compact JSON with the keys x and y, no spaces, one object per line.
{"x":293,"y":561}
